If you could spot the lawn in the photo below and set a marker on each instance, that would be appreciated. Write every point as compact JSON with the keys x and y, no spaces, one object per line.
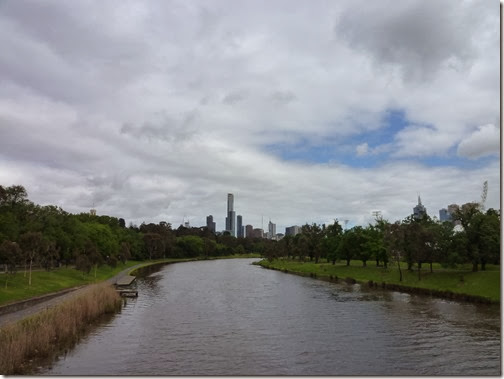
{"x":461,"y":280}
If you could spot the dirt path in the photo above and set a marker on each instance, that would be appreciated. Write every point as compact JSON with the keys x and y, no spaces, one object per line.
{"x":29,"y":307}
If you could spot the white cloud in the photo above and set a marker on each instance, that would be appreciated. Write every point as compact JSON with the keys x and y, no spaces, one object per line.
{"x":482,"y":142}
{"x":362,"y":149}
{"x":157,"y":110}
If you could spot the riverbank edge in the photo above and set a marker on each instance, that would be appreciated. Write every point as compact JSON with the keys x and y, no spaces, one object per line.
{"x":444,"y":294}
{"x":45,"y":333}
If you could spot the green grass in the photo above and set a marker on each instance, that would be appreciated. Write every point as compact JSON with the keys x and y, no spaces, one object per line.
{"x":462,"y":280}
{"x":44,"y":282}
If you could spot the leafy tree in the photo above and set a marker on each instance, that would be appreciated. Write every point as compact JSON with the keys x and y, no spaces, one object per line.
{"x":191,"y":246}
{"x":10,"y":254}
{"x":154,"y":244}
{"x":312,"y":237}
{"x":32,"y":245}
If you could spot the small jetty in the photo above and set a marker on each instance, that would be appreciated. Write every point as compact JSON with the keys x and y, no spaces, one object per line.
{"x":123,"y":286}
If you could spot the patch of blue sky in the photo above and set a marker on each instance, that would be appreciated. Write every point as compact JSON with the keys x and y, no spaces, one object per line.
{"x":343,"y":150}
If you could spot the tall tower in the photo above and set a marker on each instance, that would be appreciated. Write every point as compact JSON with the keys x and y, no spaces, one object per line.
{"x":210,"y":223}
{"x":239,"y":226}
{"x":419,"y":211}
{"x":231,"y":218}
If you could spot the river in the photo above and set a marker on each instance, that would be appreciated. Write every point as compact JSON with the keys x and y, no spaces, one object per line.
{"x":228,"y":317}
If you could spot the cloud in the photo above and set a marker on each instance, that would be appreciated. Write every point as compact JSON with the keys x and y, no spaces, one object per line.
{"x":362,"y":149}
{"x":482,"y":142}
{"x":152,"y":111}
{"x":419,"y":37}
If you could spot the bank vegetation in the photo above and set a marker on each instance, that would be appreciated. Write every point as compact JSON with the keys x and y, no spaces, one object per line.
{"x":44,"y":334}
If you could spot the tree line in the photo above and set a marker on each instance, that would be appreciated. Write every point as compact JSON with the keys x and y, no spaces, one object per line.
{"x":47,"y":237}
{"x":413,"y":241}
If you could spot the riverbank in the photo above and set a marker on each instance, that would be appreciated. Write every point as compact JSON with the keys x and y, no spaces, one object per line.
{"x":49,"y":283}
{"x":482,"y":286}
{"x":43,"y":334}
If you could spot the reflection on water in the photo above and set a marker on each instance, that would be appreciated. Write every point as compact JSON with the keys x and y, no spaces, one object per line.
{"x":228,"y":317}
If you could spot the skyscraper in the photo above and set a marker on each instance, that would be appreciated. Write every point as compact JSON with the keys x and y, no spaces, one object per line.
{"x":210,"y":223}
{"x":271,"y":230}
{"x":239,"y":227}
{"x":230,"y":219}
{"x":249,"y":229}
{"x":419,"y":211}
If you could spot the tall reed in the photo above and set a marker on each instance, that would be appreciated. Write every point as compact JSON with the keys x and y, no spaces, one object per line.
{"x":41,"y":335}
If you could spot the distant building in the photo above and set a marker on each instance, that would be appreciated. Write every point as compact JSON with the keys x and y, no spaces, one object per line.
{"x":447,"y":214}
{"x":419,"y":211}
{"x":210,"y":224}
{"x":279,"y":236}
{"x":271,"y":230}
{"x":231,"y":215}
{"x":292,"y":230}
{"x":249,"y":231}
{"x":444,"y":215}
{"x":240,"y":232}
{"x":92,"y":212}
{"x":258,"y":233}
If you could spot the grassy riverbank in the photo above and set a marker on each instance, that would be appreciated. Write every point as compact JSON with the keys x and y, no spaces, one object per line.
{"x":484,"y":284}
{"x":43,"y":334}
{"x":44,"y":282}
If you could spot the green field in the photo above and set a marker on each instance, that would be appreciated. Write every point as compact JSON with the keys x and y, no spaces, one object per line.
{"x":462,"y":280}
{"x":44,"y":282}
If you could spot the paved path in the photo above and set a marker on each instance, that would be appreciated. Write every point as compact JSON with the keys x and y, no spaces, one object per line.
{"x":17,"y":315}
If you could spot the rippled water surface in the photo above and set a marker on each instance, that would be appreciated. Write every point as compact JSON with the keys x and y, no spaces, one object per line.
{"x":228,"y":317}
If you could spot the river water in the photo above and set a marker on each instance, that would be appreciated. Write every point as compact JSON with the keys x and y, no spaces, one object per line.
{"x":228,"y":317}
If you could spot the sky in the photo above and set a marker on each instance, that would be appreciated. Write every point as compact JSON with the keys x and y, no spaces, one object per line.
{"x":307,"y":111}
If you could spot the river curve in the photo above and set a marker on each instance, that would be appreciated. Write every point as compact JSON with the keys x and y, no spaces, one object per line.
{"x":228,"y":317}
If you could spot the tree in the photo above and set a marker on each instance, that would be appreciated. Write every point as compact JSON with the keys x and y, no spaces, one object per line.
{"x":349,"y":246}
{"x":10,"y":254}
{"x":190,"y":246}
{"x":124,"y":252}
{"x":153,"y":244}
{"x":93,"y":255}
{"x":313,"y":237}
{"x":32,"y":244}
{"x":393,"y":242}
{"x":330,"y":243}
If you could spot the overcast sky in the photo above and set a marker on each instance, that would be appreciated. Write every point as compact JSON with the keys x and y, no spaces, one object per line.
{"x":306,"y":111}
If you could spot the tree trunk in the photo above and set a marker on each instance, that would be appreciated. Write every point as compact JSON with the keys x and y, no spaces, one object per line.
{"x":363,"y":263}
{"x":419,"y":273}
{"x":377,"y":263}
{"x":316,"y":259}
{"x":334,"y":261}
{"x":483,"y":264}
{"x":431,"y":267}
{"x":95,"y":266}
{"x":475,"y":267}
{"x":348,"y":262}
{"x":400,"y":272}
{"x":410,"y":266}
{"x":29,"y":280}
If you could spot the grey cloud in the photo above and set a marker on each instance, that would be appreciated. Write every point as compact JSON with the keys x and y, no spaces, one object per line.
{"x":168,"y":129}
{"x":235,"y":97}
{"x":417,"y":35}
{"x":283,"y":97}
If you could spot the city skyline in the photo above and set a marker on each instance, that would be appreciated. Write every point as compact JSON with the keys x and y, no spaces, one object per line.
{"x":151,"y":111}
